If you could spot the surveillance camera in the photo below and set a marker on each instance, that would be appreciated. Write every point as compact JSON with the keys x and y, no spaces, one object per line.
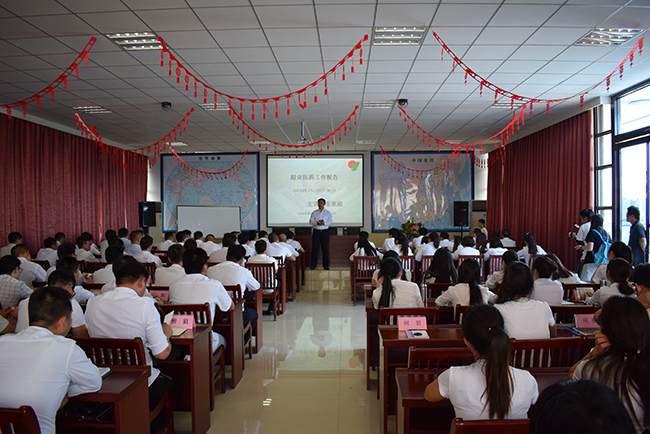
{"x":166,"y":105}
{"x":403,"y":102}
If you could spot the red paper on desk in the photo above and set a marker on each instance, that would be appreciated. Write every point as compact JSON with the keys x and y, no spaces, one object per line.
{"x":183,"y":321}
{"x":163,"y":295}
{"x":411,"y":323}
{"x":586,"y":321}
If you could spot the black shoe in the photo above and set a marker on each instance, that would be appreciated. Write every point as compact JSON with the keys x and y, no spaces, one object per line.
{"x":312,"y":268}
{"x":326,"y":268}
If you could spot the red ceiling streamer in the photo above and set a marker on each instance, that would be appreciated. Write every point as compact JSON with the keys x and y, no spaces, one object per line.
{"x":63,"y":78}
{"x":301,"y":93}
{"x":527,"y":100}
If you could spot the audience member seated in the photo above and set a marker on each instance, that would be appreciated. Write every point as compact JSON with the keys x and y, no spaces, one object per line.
{"x":169,"y":241}
{"x":208,"y":245}
{"x":197,"y":288}
{"x":284,"y":242}
{"x":506,"y":241}
{"x":109,"y":236}
{"x":60,"y":238}
{"x":134,"y":247}
{"x":641,"y":278}
{"x":578,"y":407}
{"x":428,"y":246}
{"x":190,"y":243}
{"x":595,"y":238}
{"x":365,"y":248}
{"x":496,"y":249}
{"x":524,"y":318}
{"x":445,"y":242}
{"x":221,"y":254}
{"x":263,"y":236}
{"x":252,"y":239}
{"x":389,"y":242}
{"x":545,"y":289}
{"x":275,"y":248}
{"x":469,"y":290}
{"x":415,"y":244}
{"x":48,"y":253}
{"x":392,"y":291}
{"x":466,"y":248}
{"x":145,"y":255}
{"x":530,"y":248}
{"x":489,"y":388}
{"x":561,"y":274}
{"x":261,"y":257}
{"x":618,"y":272}
{"x":233,"y":272}
{"x":83,"y":253}
{"x":12,"y":290}
{"x":7,"y":319}
{"x":165,"y":276}
{"x":81,"y":294}
{"x":363,"y":235}
{"x":618,"y":249}
{"x":406,"y":274}
{"x":64,"y":280}
{"x":31,"y":271}
{"x":93,"y":247}
{"x":181,"y":237}
{"x":401,"y":245}
{"x":14,"y":238}
{"x":242,"y":239}
{"x":295,"y":244}
{"x":123,"y":234}
{"x":39,"y":367}
{"x":442,"y":269}
{"x":105,"y":275}
{"x":480,"y":240}
{"x":64,"y":250}
{"x":621,"y":357}
{"x":497,"y":277}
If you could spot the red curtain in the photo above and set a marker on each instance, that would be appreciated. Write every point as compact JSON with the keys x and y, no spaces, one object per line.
{"x":54,"y":181}
{"x":540,"y":183}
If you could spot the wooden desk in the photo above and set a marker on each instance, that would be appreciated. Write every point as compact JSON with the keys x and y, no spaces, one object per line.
{"x":340,"y":248}
{"x":253,"y":300}
{"x":394,"y":348}
{"x":193,"y":375}
{"x":372,"y":340}
{"x":417,"y":415}
{"x":231,"y":325}
{"x":127,"y":388}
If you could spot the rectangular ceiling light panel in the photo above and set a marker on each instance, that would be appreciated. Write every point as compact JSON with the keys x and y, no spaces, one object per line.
{"x":398,"y":35}
{"x":136,"y":41}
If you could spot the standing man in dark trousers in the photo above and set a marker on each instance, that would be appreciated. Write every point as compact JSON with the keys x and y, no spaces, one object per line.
{"x":638,"y":241}
{"x":320,"y":220}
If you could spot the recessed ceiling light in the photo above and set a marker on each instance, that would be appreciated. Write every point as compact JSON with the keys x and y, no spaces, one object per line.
{"x":609,"y":37}
{"x":92,"y":109}
{"x":178,"y":144}
{"x":136,"y":41}
{"x":378,"y":104}
{"x":366,"y":142}
{"x":210,"y":106}
{"x":398,"y":35}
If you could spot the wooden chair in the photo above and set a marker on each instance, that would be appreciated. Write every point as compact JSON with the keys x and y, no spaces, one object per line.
{"x":564,"y":314}
{"x":237,"y":293}
{"x":531,"y":259}
{"x":435,"y":289}
{"x":478,"y":258}
{"x":426,"y":263}
{"x":570,"y":287}
{"x":496,"y":262}
{"x":490,"y":426}
{"x":21,"y":420}
{"x":408,"y":263}
{"x":212,"y":264}
{"x":265,"y":274}
{"x":388,"y":315}
{"x":151,"y":269}
{"x":553,"y":352}
{"x":36,"y":284}
{"x":438,"y":358}
{"x":107,"y":352}
{"x":91,"y":267}
{"x":363,"y":268}
{"x":202,"y":315}
{"x":44,"y":264}
{"x":459,"y":312}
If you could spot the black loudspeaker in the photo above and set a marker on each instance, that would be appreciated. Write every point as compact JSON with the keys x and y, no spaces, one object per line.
{"x":147,"y":214}
{"x":461,"y":214}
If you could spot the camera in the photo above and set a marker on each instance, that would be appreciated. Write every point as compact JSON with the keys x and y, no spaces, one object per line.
{"x":572,"y":235}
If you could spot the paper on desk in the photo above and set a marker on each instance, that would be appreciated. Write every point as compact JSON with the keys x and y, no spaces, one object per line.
{"x":168,"y":318}
{"x":104,"y":371}
{"x":417,"y":334}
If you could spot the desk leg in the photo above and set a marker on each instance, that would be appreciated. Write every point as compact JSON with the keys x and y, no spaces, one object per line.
{"x":383,"y":394}
{"x":403,"y":415}
{"x":260,"y":324}
{"x":283,"y":289}
{"x":200,"y":363}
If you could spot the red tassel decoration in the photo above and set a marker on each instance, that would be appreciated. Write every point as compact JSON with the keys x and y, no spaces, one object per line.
{"x":187,"y":82}
{"x":276,"y":109}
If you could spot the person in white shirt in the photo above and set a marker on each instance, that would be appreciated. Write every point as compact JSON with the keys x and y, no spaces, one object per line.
{"x":442,"y":269}
{"x":93,"y":247}
{"x":468,"y":291}
{"x":562,"y":275}
{"x":365,"y":248}
{"x":123,"y":234}
{"x":580,"y":237}
{"x":81,"y":294}
{"x":445,"y":242}
{"x":284,"y":242}
{"x":482,"y":228}
{"x":545,"y":289}
{"x":169,"y":241}
{"x":64,"y":250}
{"x":618,"y":272}
{"x":427,"y":247}
{"x":262,"y":235}
{"x":109,"y":236}
{"x":12,"y":290}
{"x":31,"y":271}
{"x":363,"y":235}
{"x":222,"y":254}
{"x":252,"y":239}
{"x":618,"y":249}
{"x":261,"y":257}
{"x":165,"y":276}
{"x":497,"y":277}
{"x":320,"y":221}
{"x":60,"y":279}
{"x":242,"y":239}
{"x":145,"y":255}
{"x":197,"y":288}
{"x":466,"y":248}
{"x":60,"y":238}
{"x":415,"y":244}
{"x":207,"y":245}
{"x":531,"y":248}
{"x":393,"y":292}
{"x":507,"y":242}
{"x":13,"y":238}
{"x":105,"y":275}
{"x":496,"y":249}
{"x":134,"y":248}
{"x":489,"y":388}
{"x":401,"y":245}
{"x":48,"y":253}
{"x":295,"y":244}
{"x":39,"y":367}
{"x":389,"y":242}
{"x":83,"y":252}
{"x":277,"y":249}
{"x":524,"y":318}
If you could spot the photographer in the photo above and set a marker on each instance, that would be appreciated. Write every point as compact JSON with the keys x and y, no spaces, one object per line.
{"x":585,"y":225}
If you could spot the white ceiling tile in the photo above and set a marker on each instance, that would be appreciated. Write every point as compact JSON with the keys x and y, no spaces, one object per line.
{"x":504,"y":35}
{"x":80,"y":6}
{"x":563,"y":36}
{"x":566,"y":67}
{"x":585,"y":53}
{"x":61,"y":25}
{"x":504,"y":79}
{"x":586,"y":15}
{"x":258,"y":68}
{"x":405,"y":14}
{"x":497,"y":52}
{"x":34,"y":7}
{"x":286,"y":16}
{"x":289,"y":68}
{"x":131,"y":71}
{"x":458,"y":13}
{"x":42,"y":46}
{"x":523,"y":15}
{"x":521,"y":66}
{"x":383,"y":52}
{"x":537,"y":52}
{"x":634,"y":18}
{"x":11,"y":28}
{"x":250,"y":54}
{"x":117,"y":58}
{"x":215,"y":69}
{"x":547,"y":79}
{"x":292,"y":37}
{"x":188,"y":39}
{"x":345,"y":15}
{"x":201,"y":55}
{"x":155,"y":4}
{"x":384,"y":66}
{"x":26,"y":63}
{"x":228,"y":18}
{"x":453,"y":36}
{"x":240,"y":38}
{"x":170,"y":20}
{"x":115,"y":22}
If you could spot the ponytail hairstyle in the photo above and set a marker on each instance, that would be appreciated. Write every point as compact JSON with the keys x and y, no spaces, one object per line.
{"x":619,"y":271}
{"x":532,"y":245}
{"x":626,"y":365}
{"x":621,"y":250}
{"x":517,"y":282}
{"x":364,"y":244}
{"x":400,"y":239}
{"x":469,"y":272}
{"x":393,"y":254}
{"x":545,"y":267}
{"x":483,"y":328}
{"x":389,"y":269}
{"x":435,"y":239}
{"x":561,"y":272}
{"x":442,"y":268}
{"x":425,"y":240}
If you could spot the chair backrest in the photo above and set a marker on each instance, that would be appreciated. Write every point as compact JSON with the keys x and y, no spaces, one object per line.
{"x":21,"y":420}
{"x":388,"y":315}
{"x":280,"y":260}
{"x":200,"y":312}
{"x":264,"y":274}
{"x":426,"y":263}
{"x":496,"y":262}
{"x":490,"y":426}
{"x":531,"y":259}
{"x":458,"y":315}
{"x":568,"y":288}
{"x":408,"y":263}
{"x":106,"y":352}
{"x":435,"y":289}
{"x":151,"y":268}
{"x":363,"y":267}
{"x":236,"y":290}
{"x":44,"y":264}
{"x":478,"y":258}
{"x":564,"y":313}
{"x":91,"y":267}
{"x":553,"y":352}
{"x":439,"y":358}
{"x":212,"y":264}
{"x":36,"y":284}
{"x":90,"y":286}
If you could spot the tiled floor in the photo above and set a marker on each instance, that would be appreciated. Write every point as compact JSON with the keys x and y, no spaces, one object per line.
{"x":309,"y":376}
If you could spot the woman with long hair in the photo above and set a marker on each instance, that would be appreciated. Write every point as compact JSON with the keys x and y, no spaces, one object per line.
{"x":481,"y":240}
{"x":561,"y":274}
{"x":402,"y":245}
{"x":531,"y":248}
{"x":618,"y":272}
{"x":442,"y":268}
{"x":544,"y":288}
{"x":524,"y":317}
{"x":364,"y":248}
{"x":489,"y":388}
{"x":618,"y":249}
{"x":621,"y":357}
{"x":469,"y":290}
{"x":392,"y":291}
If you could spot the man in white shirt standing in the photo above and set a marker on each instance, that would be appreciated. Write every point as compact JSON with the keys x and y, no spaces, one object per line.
{"x":31,"y":270}
{"x":320,"y":220}
{"x":145,"y":255}
{"x":13,"y":238}
{"x":39,"y":367}
{"x":167,"y":275}
{"x":48,"y":253}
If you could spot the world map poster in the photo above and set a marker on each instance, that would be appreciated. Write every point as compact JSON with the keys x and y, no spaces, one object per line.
{"x":398,"y":198}
{"x":241,"y":189}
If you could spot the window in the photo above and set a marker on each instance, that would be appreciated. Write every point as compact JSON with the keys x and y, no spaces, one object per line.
{"x":604,"y":167}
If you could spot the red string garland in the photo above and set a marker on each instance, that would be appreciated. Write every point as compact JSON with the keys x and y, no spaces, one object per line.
{"x":63,"y":78}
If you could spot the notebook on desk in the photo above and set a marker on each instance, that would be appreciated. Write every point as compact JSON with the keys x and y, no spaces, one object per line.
{"x":104,"y":371}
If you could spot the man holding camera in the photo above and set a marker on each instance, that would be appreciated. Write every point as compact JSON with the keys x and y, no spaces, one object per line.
{"x":580,"y":237}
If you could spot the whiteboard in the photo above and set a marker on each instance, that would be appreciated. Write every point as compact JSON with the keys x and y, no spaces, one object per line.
{"x":216,"y":220}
